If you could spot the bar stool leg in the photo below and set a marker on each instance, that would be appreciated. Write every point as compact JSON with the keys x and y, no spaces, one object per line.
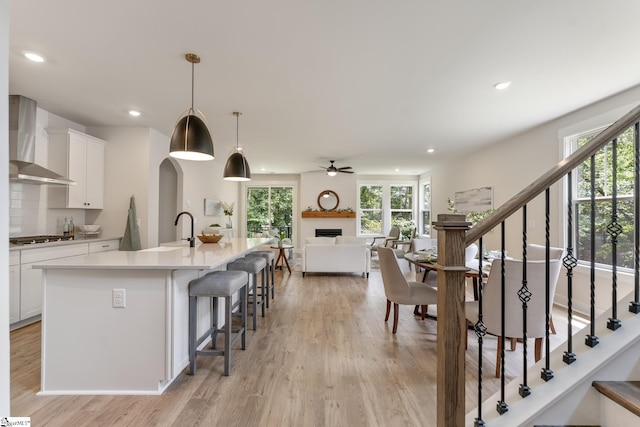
{"x":214,"y":322}
{"x":193,"y":303}
{"x":243,"y":317}
{"x":227,"y":335}
{"x":254,"y":301}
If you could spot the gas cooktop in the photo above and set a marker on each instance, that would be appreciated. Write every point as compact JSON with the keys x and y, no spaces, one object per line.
{"x":33,"y":240}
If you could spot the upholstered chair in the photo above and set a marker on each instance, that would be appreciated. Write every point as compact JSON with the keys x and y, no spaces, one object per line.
{"x":400,"y":291}
{"x":389,"y":239}
{"x":536,"y":282}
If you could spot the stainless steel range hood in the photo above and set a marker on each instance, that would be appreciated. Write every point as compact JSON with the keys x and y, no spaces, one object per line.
{"x":22,"y":145}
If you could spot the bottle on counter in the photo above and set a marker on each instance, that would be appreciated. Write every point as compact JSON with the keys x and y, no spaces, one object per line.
{"x":65,"y":227}
{"x":72,"y":232}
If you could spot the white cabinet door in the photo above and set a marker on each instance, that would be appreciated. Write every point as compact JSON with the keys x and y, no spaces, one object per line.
{"x":14,"y":293}
{"x":31,"y":278}
{"x":81,"y":158}
{"x":30,"y":291}
{"x":77,"y":171}
{"x":94,"y":174}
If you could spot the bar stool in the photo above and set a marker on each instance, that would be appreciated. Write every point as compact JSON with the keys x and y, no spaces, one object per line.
{"x":270,"y":257}
{"x":253,"y":266}
{"x":216,"y":285}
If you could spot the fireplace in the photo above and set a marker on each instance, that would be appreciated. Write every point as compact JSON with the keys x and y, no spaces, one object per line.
{"x":328,"y":232}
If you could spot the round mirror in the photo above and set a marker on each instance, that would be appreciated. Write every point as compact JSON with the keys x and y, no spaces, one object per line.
{"x":328,"y":200}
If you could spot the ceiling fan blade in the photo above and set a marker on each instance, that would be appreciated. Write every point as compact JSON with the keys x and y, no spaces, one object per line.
{"x":345,"y":167}
{"x":341,"y":171}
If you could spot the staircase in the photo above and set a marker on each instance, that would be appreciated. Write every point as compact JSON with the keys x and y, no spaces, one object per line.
{"x":566,"y":386}
{"x":571,"y":398}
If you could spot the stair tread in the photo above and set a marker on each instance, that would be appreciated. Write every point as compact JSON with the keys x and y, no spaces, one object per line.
{"x":624,"y":393}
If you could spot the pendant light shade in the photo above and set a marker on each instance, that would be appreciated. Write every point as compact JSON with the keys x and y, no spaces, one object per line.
{"x":191,"y":139}
{"x":237,"y":166}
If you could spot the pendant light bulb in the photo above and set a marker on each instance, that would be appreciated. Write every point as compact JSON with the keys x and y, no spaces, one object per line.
{"x":237,"y":166}
{"x":191,"y":139}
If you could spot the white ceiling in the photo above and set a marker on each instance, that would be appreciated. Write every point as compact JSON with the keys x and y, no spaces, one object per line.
{"x":369,"y":83}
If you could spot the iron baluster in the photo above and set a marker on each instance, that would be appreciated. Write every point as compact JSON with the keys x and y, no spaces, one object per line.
{"x":502,"y":406}
{"x":592,"y":340}
{"x":547,"y":373}
{"x":525,"y":296}
{"x":569,"y":262}
{"x":481,"y":330}
{"x":614,"y":231}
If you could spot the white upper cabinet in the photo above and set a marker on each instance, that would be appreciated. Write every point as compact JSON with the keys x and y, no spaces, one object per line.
{"x":79,"y":157}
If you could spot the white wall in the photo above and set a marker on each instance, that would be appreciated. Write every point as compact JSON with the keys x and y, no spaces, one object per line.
{"x":127,"y":169}
{"x":510,"y":165}
{"x":4,"y":215}
{"x":314,"y":183}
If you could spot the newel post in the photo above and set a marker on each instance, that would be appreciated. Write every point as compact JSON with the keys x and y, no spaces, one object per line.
{"x":452,"y":324}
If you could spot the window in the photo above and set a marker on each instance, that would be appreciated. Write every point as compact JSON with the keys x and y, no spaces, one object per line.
{"x":381,"y":205}
{"x":370,"y":209}
{"x":603,"y":163}
{"x":269,"y":207}
{"x":425,"y":211}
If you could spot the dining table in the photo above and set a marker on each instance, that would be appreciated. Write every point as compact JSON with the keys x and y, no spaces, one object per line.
{"x":427,"y":262}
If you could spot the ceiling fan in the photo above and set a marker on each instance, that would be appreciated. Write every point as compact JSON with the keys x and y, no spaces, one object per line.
{"x":333,"y":171}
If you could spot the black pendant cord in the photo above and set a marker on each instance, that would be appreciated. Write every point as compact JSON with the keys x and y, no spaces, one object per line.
{"x":547,"y":372}
{"x":480,"y":330}
{"x":525,"y":296}
{"x":569,"y":262}
{"x":592,"y":340}
{"x":614,"y":231}
{"x":634,"y":306}
{"x":502,"y":406}
{"x":193,"y":74}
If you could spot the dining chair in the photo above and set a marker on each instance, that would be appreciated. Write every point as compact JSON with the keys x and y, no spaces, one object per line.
{"x":400,"y":291}
{"x":389,"y":240}
{"x":491,"y":301}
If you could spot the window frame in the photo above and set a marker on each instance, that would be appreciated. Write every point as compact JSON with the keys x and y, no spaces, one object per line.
{"x":386,"y":203}
{"x":570,"y":146}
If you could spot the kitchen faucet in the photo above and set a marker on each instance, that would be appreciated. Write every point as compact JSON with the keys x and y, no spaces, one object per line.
{"x":192,"y":239}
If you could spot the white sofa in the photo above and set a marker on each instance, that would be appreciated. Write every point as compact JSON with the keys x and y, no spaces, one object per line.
{"x":341,"y":254}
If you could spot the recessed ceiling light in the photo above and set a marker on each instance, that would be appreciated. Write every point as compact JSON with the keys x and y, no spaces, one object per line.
{"x":34,"y":57}
{"x":502,"y":85}
{"x":134,"y":113}
{"x":430,"y":150}
{"x":397,"y":170}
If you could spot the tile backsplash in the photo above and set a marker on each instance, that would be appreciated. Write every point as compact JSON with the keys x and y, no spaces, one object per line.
{"x":29,"y":215}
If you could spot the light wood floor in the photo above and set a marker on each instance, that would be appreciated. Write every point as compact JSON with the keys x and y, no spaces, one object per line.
{"x":323,"y":356}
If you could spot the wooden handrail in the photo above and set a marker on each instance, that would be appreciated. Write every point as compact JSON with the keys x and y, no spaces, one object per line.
{"x":552,"y":176}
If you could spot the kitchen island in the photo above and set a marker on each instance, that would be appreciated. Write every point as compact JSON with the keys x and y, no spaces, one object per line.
{"x":117,"y":322}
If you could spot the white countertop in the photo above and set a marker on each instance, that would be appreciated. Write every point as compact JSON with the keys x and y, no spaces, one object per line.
{"x":170,"y":256}
{"x":13,"y":247}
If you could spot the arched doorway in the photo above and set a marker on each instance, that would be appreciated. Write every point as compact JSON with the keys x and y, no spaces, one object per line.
{"x":167,"y":201}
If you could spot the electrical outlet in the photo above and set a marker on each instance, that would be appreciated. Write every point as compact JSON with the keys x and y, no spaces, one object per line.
{"x":119,"y":298}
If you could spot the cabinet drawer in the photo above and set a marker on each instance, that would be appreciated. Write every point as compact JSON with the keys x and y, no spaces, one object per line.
{"x":44,"y":254}
{"x":103,"y":246}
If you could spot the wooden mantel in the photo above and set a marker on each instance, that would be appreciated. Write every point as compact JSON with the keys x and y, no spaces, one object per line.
{"x":328,"y":214}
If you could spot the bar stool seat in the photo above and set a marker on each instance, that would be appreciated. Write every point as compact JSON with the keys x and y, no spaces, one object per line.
{"x":253,"y":266}
{"x":270,"y":257}
{"x":215,"y":285}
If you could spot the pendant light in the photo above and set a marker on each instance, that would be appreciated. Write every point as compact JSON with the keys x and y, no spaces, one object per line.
{"x":191,"y":139}
{"x":237,"y":167}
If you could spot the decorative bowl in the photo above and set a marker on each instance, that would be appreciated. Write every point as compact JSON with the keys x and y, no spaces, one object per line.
{"x":88,"y":228}
{"x":215,"y":238}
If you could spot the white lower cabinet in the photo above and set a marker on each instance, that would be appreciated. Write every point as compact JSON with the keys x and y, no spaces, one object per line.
{"x":25,"y":284}
{"x":29,"y":299}
{"x":14,"y":287}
